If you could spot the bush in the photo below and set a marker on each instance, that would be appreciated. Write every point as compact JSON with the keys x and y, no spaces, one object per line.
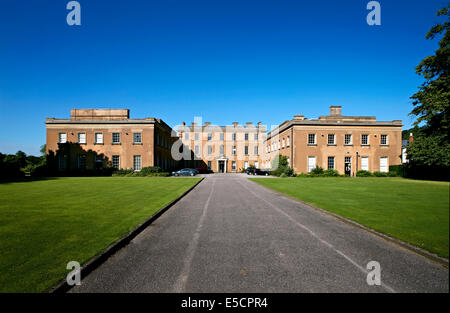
{"x":380,"y":174}
{"x":317,"y":171}
{"x":398,"y":170}
{"x":150,"y":169}
{"x":283,"y":175}
{"x":363,"y":173}
{"x":331,"y":173}
{"x":392,"y":174}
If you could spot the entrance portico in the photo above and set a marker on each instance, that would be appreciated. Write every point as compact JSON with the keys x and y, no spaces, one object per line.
{"x":222,"y":164}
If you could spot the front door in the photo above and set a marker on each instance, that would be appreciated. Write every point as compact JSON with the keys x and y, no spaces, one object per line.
{"x":348,"y":166}
{"x":221,"y":166}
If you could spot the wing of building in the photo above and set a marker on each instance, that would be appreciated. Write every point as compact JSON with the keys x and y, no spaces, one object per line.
{"x":95,"y":138}
{"x":335,"y":141}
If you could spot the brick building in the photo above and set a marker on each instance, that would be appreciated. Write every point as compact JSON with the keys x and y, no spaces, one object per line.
{"x":223,"y":148}
{"x":95,"y":138}
{"x":344,"y":143}
{"x":98,"y":137}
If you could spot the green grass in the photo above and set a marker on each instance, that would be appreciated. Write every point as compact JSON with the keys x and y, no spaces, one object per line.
{"x":45,"y":224}
{"x":411,"y":210}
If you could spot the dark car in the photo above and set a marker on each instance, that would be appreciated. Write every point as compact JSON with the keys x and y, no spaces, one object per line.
{"x":203,"y":170}
{"x":185,"y":172}
{"x":257,"y":171}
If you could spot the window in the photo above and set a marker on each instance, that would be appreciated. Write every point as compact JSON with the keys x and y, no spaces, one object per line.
{"x":348,"y":139}
{"x":246,"y":164}
{"x":364,"y":140}
{"x":116,"y":161}
{"x":384,"y":140}
{"x":330,"y":163}
{"x":221,"y":149}
{"x":157,"y":140}
{"x":81,"y":138}
{"x":62,"y":137}
{"x":137,"y":138}
{"x":284,"y":143}
{"x":384,"y":165}
{"x":233,"y":150}
{"x":233,"y":165}
{"x":99,"y":138}
{"x":246,"y":150}
{"x":256,"y":136}
{"x":137,"y":163}
{"x":233,"y":136}
{"x":196,"y":136}
{"x":82,"y":161}
{"x":63,"y":162}
{"x":246,"y":136}
{"x":311,"y":139}
{"x":196,"y":150}
{"x":331,"y":139}
{"x":221,"y":136}
{"x":256,"y":164}
{"x":115,"y":138}
{"x":209,"y":150}
{"x":311,"y":163}
{"x":209,"y":136}
{"x":255,"y":150}
{"x":365,"y":163}
{"x":186,"y":136}
{"x":279,"y":145}
{"x":288,"y":143}
{"x":209,"y":164}
{"x":289,"y":162}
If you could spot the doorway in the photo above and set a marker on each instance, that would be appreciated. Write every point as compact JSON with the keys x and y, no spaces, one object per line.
{"x":348,"y":166}
{"x":221,"y":166}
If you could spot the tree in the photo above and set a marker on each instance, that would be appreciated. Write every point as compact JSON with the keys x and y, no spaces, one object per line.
{"x":432,"y":102}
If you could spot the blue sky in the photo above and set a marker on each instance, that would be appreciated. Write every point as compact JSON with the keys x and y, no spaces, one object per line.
{"x":225,"y":61}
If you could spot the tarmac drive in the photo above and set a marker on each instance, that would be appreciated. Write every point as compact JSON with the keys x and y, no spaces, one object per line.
{"x":232,"y":235}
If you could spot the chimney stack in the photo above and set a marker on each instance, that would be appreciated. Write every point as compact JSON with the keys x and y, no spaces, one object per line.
{"x":335,"y":110}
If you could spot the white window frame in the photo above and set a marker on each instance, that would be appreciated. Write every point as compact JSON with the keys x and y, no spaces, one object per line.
{"x":345,"y":139}
{"x":62,"y":137}
{"x":381,"y":140}
{"x":112,"y":138}
{"x":137,"y":163}
{"x":140,"y":139}
{"x":80,"y":141}
{"x":334,"y":139}
{"x":283,"y":145}
{"x":245,"y":164}
{"x":233,"y":165}
{"x":98,"y":140}
{"x":331,"y":158}
{"x":387,"y":165}
{"x":365,"y":167}
{"x":367,"y":143}
{"x":288,"y":142}
{"x":310,"y":168}
{"x":118,"y":163}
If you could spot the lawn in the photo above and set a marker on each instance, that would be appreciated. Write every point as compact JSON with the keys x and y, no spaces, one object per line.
{"x":411,"y":210}
{"x":44,"y":224}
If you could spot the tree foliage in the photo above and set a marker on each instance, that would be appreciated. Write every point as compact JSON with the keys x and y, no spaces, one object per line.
{"x":432,"y":102}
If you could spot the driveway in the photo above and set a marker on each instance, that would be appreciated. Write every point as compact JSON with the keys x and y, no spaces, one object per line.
{"x":232,"y":235}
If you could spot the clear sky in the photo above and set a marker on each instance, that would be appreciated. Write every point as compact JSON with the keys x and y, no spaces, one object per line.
{"x":223,"y":60}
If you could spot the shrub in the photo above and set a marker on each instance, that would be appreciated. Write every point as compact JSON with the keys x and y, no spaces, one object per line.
{"x":331,"y":172}
{"x":363,"y":173}
{"x":393,"y":174}
{"x":150,"y":169}
{"x":317,"y":171}
{"x":283,"y":175}
{"x":398,"y":170}
{"x":380,"y":174}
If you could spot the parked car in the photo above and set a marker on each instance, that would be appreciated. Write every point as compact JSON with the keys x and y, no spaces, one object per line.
{"x":257,"y":171}
{"x":185,"y":172}
{"x":203,"y":170}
